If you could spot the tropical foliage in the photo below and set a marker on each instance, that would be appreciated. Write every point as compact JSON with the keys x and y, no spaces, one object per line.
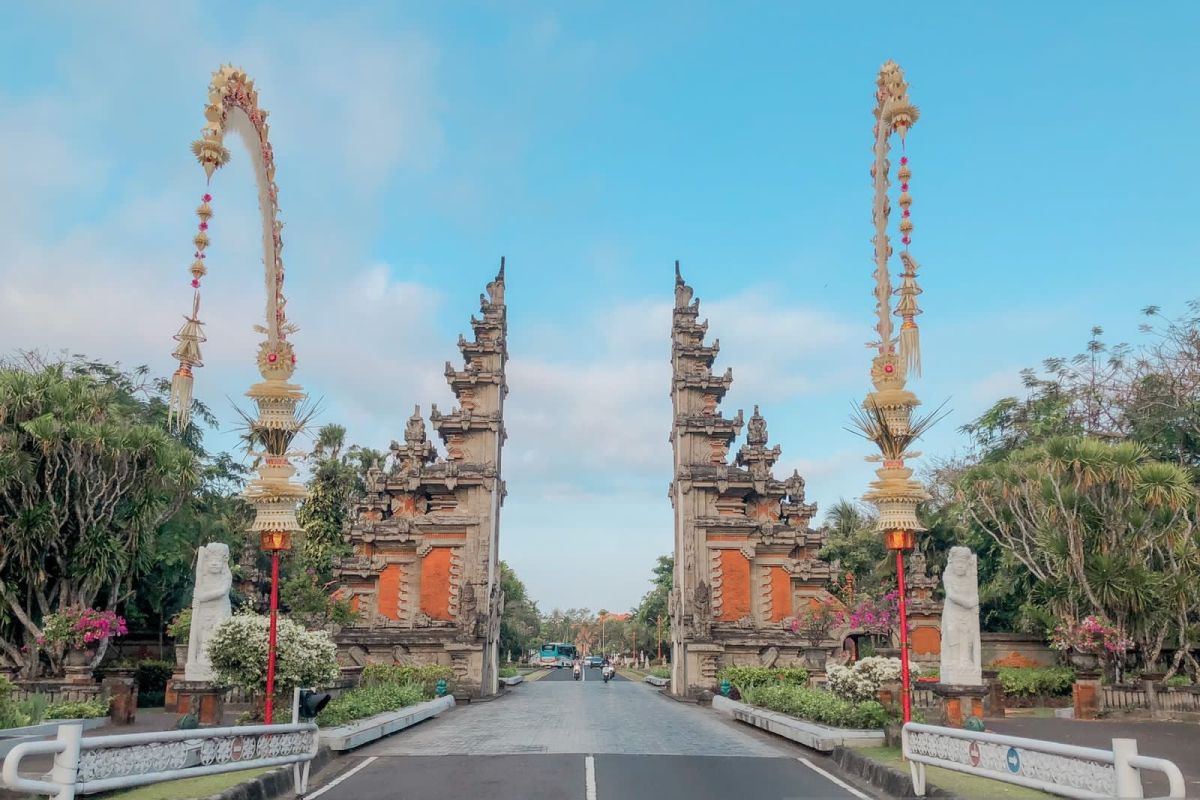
{"x":88,"y":473}
{"x":863,"y":679}
{"x":367,"y":701}
{"x":744,"y":678}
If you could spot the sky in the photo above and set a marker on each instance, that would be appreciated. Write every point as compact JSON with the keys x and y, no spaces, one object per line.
{"x":593,"y":143}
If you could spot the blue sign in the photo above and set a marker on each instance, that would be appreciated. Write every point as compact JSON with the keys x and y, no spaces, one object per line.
{"x":1014,"y":760}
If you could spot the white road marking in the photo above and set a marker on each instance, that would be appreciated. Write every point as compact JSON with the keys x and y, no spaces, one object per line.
{"x":833,"y":778}
{"x":314,"y":795}
{"x":589,"y":772}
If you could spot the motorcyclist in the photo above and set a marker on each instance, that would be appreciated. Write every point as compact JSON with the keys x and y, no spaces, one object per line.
{"x":576,"y":669}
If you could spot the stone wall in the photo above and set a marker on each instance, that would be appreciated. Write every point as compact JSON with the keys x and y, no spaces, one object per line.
{"x":1016,"y":650}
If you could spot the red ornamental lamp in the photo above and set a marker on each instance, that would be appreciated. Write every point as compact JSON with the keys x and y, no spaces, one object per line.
{"x":899,"y":540}
{"x":275,"y":541}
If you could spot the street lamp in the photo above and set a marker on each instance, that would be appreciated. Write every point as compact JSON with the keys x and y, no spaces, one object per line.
{"x":273,"y":493}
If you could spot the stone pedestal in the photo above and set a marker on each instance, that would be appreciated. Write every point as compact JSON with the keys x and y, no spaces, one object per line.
{"x":201,"y":698}
{"x":122,"y":697}
{"x":1086,"y":695}
{"x":79,"y":675}
{"x":960,"y":703}
{"x":993,"y":702}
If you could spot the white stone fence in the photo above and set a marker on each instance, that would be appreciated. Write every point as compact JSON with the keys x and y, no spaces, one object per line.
{"x":1061,"y":769}
{"x":1117,"y":697}
{"x":104,"y":763}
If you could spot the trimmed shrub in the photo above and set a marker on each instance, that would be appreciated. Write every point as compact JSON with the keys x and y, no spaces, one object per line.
{"x":426,"y":675}
{"x":818,"y":705}
{"x":661,"y":672}
{"x":508,"y":672}
{"x":744,"y":678}
{"x":367,"y":701}
{"x":86,"y":709}
{"x":1036,"y":681}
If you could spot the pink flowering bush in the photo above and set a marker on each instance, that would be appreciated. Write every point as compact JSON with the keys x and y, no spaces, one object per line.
{"x":874,"y":616}
{"x":815,"y":622}
{"x":81,"y":628}
{"x":1090,"y":635}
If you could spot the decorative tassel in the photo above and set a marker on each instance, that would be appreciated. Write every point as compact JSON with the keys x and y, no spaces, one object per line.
{"x":179,"y":405}
{"x":910,"y":347}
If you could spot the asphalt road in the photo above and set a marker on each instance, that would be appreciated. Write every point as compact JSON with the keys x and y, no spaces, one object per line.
{"x":561,"y":739}
{"x":588,"y":676}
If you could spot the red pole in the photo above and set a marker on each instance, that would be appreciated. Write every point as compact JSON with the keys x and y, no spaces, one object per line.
{"x":906,"y":701}
{"x":271,"y":636}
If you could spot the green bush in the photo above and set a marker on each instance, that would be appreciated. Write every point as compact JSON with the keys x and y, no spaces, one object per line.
{"x":751,"y":677}
{"x":818,"y":705}
{"x":1036,"y":681}
{"x":152,"y":674}
{"x":367,"y":701}
{"x":661,"y":672}
{"x":84,"y":709}
{"x":427,"y":675}
{"x":508,"y":672}
{"x":11,"y":714}
{"x":152,"y":699}
{"x":1176,"y":681}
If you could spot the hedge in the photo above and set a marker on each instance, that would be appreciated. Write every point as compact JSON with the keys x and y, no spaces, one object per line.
{"x":367,"y":701}
{"x":427,"y":675}
{"x":818,"y":705}
{"x":750,"y":677}
{"x":1036,"y":681}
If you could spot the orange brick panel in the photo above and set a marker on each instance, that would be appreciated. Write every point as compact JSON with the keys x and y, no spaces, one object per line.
{"x":781,"y":594}
{"x":389,"y":591}
{"x":926,"y":641}
{"x":735,"y":585}
{"x":435,"y":583}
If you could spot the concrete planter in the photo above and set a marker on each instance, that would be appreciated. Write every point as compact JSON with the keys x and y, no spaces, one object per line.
{"x":809,"y":734}
{"x":356,"y":734}
{"x":513,"y":681}
{"x":655,"y":681}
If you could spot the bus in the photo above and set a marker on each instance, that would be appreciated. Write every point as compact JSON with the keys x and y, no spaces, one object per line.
{"x":556,"y":654}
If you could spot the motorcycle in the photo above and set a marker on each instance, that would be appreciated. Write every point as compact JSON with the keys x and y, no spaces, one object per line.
{"x":608,"y":672}
{"x":575,"y":671}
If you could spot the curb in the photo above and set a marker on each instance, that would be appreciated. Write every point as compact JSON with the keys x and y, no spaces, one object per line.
{"x":810,"y":734}
{"x":892,"y":781}
{"x":276,"y":783}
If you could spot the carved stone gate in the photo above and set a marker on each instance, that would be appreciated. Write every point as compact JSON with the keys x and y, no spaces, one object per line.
{"x":425,"y":574}
{"x":745,"y":556}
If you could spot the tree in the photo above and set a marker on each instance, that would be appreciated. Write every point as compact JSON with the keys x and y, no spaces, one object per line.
{"x":88,"y":473}
{"x":520,"y":625}
{"x":214,"y":512}
{"x":1103,"y":529}
{"x":854,"y":543}
{"x":654,"y":606}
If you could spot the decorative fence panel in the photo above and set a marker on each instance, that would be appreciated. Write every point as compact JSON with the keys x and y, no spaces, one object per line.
{"x":1119,"y":697}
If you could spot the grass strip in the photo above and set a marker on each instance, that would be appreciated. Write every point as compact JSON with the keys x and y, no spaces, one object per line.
{"x":958,"y":783}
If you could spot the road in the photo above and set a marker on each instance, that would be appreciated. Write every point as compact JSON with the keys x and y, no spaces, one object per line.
{"x":561,"y":739}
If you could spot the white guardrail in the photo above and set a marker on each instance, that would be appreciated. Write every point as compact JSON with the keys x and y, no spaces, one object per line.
{"x":103,"y":763}
{"x":1061,"y":769}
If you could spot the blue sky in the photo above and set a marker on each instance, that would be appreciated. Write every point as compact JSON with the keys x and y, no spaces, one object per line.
{"x":1055,"y":183}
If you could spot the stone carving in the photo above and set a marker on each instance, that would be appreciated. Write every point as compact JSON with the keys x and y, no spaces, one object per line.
{"x":756,"y":431}
{"x":960,"y":620}
{"x":210,"y":607}
{"x":768,"y":657}
{"x":702,"y":610}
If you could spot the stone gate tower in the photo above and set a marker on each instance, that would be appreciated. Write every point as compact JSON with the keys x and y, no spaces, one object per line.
{"x":745,"y":557}
{"x":425,"y":574}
